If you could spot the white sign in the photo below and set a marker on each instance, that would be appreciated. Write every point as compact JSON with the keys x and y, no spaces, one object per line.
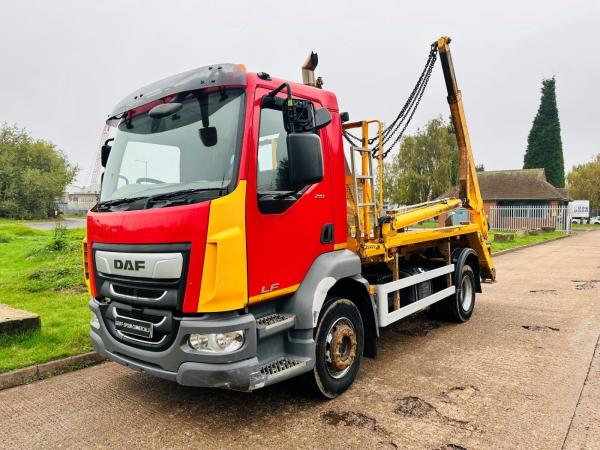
{"x":580,"y":209}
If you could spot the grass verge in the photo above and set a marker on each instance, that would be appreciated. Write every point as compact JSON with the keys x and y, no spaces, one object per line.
{"x":585,"y":226}
{"x":520,"y":241}
{"x":40,"y":271}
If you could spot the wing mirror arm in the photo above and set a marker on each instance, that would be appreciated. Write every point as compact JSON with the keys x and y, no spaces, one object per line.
{"x":322,"y":118}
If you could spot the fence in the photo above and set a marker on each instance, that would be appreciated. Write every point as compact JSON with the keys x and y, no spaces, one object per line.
{"x":532,"y":217}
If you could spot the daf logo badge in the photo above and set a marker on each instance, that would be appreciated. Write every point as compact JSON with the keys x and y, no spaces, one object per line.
{"x":128,"y":264}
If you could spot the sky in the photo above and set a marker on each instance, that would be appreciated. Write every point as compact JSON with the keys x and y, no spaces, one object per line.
{"x":64,"y":64}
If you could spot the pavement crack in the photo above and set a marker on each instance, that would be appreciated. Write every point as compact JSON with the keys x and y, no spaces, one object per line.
{"x":354,"y":419}
{"x":540,"y":328}
{"x":418,"y":408}
{"x":419,"y":327}
{"x":459,"y":393}
{"x":585,"y":382}
{"x":585,"y":284}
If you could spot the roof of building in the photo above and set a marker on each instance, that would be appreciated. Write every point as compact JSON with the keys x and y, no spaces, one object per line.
{"x":523,"y":184}
{"x":565,"y":193}
{"x":73,"y":189}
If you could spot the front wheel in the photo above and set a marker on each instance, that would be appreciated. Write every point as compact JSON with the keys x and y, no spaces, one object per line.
{"x":339,"y":343}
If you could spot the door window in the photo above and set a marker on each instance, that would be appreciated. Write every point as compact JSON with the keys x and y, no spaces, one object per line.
{"x":272,"y":174}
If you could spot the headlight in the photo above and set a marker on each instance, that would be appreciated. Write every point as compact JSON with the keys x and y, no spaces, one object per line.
{"x":94,"y":322}
{"x":218,"y":342}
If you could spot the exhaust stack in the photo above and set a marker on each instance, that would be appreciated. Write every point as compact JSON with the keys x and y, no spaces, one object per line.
{"x":308,"y":71}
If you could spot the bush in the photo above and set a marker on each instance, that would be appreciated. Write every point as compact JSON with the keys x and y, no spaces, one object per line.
{"x":60,"y":238}
{"x":6,"y":237}
{"x":57,"y":277}
{"x":21,"y":230}
{"x":33,"y":173}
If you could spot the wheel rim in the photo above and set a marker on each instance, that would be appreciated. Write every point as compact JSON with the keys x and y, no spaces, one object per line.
{"x":340,"y":348}
{"x":466,"y":290}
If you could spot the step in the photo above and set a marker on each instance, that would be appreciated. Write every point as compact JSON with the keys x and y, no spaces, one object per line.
{"x":282,"y":367}
{"x":274,"y":323}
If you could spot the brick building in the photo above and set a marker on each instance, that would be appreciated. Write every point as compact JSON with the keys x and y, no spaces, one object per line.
{"x":515,"y":188}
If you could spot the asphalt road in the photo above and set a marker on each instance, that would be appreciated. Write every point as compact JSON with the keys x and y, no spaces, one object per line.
{"x":69,"y":222}
{"x":521,"y":374}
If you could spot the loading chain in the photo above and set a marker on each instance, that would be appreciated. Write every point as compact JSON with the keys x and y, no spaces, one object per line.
{"x":406,"y":113}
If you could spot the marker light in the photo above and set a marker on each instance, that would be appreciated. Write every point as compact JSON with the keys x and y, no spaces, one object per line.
{"x":94,"y":322}
{"x":217,"y":342}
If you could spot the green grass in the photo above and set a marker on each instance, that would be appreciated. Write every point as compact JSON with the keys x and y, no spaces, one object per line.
{"x":521,"y":241}
{"x":40,"y":271}
{"x":585,"y":226}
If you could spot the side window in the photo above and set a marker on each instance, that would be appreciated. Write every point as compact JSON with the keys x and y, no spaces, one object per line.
{"x":272,"y":168}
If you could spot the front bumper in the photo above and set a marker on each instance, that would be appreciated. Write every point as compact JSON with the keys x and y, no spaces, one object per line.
{"x":239,"y":370}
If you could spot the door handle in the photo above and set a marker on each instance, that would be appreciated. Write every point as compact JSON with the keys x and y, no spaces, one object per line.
{"x":327,"y":234}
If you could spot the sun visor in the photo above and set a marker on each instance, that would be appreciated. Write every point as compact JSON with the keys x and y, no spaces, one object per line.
{"x":202,"y":77}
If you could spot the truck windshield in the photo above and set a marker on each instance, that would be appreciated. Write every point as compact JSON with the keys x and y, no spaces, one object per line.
{"x":193,"y":149}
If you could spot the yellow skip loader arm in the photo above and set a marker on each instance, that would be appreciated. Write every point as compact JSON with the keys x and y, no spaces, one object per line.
{"x":468,"y":183}
{"x":382,"y":242}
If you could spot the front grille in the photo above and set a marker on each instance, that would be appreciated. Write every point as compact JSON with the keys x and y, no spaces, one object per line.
{"x":165,"y":325}
{"x":155,"y":300}
{"x":149,"y":293}
{"x":140,"y":293}
{"x":159,"y":293}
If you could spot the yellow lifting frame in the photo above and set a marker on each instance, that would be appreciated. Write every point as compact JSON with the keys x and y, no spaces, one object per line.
{"x":367,"y":187}
{"x":391,"y":235}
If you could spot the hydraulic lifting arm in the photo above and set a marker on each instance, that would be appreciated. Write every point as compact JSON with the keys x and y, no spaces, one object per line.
{"x":372,"y":240}
{"x":468,"y":184}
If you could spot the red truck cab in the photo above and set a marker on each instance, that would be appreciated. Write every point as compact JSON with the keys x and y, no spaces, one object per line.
{"x":207,"y":266}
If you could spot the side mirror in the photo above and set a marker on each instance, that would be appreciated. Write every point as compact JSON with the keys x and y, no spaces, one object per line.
{"x":322,"y":118}
{"x":305,"y":159}
{"x":105,"y":152}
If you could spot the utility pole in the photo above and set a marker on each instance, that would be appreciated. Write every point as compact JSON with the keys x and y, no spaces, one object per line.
{"x":146,"y":165}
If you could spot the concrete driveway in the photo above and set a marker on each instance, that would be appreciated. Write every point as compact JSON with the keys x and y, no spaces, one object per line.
{"x":521,"y":374}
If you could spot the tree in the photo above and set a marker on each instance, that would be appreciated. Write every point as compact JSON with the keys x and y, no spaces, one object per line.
{"x":544,"y":145}
{"x":424,"y":168}
{"x":479,"y":168}
{"x":584,"y":182}
{"x":33,"y":174}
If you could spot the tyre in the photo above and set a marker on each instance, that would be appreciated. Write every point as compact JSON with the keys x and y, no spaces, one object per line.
{"x":458,"y":307}
{"x":339,"y":343}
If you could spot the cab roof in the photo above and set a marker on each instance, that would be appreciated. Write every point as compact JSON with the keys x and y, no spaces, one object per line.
{"x":207,"y":76}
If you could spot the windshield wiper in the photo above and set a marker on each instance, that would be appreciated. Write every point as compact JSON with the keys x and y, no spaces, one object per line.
{"x":173,"y":197}
{"x":103,"y":206}
{"x":179,"y":196}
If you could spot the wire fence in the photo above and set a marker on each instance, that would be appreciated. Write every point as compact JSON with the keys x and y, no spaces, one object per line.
{"x":532,"y":217}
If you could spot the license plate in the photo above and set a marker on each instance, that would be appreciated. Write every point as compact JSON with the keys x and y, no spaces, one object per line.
{"x":134,"y":326}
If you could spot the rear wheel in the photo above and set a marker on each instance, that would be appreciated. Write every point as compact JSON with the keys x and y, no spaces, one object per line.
{"x":458,"y":307}
{"x":339,"y":343}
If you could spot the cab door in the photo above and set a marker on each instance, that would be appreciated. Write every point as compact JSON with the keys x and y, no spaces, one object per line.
{"x":285,"y":232}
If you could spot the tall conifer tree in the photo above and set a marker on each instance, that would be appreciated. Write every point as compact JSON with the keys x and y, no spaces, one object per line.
{"x":544,"y":145}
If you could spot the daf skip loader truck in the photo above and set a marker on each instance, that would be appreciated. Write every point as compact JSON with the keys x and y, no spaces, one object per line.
{"x":237,"y":243}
